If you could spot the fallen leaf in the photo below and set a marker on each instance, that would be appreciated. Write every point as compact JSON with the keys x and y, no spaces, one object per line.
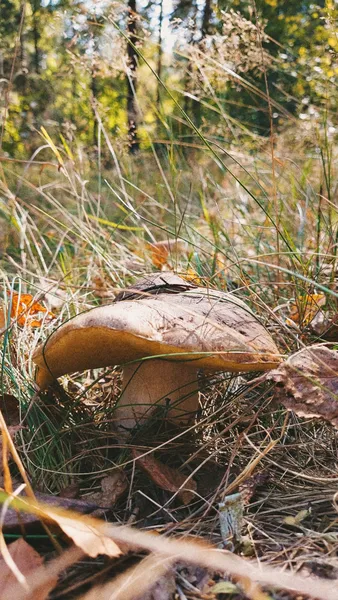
{"x":2,"y":319}
{"x":24,"y":309}
{"x":305,"y":309}
{"x":298,"y":518}
{"x":84,"y":535}
{"x":224,"y":587}
{"x":166,"y":477}
{"x":249,"y":487}
{"x":160,"y":252}
{"x":307,"y":383}
{"x":9,"y":406}
{"x":71,"y":491}
{"x":112,"y":486}
{"x":26,"y":559}
{"x":325,"y":325}
{"x":191,"y":275}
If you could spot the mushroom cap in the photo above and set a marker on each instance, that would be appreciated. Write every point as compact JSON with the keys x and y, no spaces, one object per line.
{"x":208,"y":329}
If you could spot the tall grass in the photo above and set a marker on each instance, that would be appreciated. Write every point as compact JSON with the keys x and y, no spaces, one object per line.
{"x":257,"y":216}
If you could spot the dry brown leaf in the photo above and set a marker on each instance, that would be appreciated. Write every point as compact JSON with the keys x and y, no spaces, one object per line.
{"x":9,"y":406}
{"x":250,"y":485}
{"x":325,"y":326}
{"x":41,"y":577}
{"x":166,"y":477}
{"x":307,"y":383}
{"x":112,"y":486}
{"x":71,"y":491}
{"x":26,"y":560}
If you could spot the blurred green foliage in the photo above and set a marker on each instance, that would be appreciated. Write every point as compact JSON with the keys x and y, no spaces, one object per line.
{"x":62,"y":60}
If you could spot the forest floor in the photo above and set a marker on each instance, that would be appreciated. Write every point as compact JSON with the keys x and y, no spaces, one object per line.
{"x":70,"y":240}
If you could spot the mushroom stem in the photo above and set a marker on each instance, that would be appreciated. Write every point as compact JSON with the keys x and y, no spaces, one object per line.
{"x":152,"y":383}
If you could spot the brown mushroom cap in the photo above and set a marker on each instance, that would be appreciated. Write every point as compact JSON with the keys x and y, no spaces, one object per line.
{"x":215,"y":330}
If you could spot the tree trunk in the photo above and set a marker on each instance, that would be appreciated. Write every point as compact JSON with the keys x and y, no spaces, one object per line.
{"x":205,"y":29}
{"x":207,"y":12}
{"x":160,"y":52}
{"x":132,"y":79}
{"x":94,"y":91}
{"x":36,"y":35}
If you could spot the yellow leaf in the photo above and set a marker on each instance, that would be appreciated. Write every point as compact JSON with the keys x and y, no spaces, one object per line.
{"x":191,"y":275}
{"x":296,"y":520}
{"x":305,"y":309}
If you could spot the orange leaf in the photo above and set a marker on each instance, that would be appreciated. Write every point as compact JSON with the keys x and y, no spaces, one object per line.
{"x":166,"y":477}
{"x":24,"y":307}
{"x":2,"y":318}
{"x":160,"y":252}
{"x":35,"y":323}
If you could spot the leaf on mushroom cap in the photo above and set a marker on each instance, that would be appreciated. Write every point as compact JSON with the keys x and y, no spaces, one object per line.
{"x":154,"y":284}
{"x":214,"y":329}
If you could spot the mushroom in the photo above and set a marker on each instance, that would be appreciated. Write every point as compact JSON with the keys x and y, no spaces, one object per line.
{"x":162,"y":332}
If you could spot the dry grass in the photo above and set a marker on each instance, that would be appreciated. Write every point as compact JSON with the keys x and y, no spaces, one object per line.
{"x":73,"y":238}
